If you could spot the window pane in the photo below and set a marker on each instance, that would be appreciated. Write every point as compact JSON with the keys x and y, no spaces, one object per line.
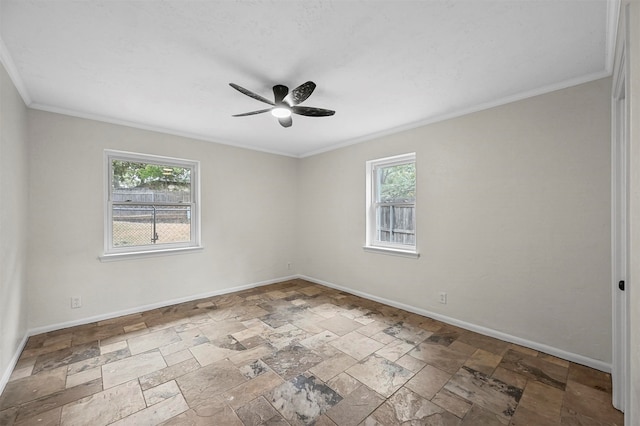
{"x":391,"y":203}
{"x":396,"y":184}
{"x":403,"y":225}
{"x":135,"y":225}
{"x":384,"y":223}
{"x":151,"y":183}
{"x":396,"y":224}
{"x":403,"y":218}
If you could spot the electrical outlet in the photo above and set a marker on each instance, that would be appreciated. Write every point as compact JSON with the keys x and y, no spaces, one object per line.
{"x":289,"y":266}
{"x":76,"y":302}
{"x":443,"y":297}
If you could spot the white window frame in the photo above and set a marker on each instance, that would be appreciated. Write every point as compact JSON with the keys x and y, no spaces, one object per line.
{"x":372,"y":244}
{"x":117,"y":253}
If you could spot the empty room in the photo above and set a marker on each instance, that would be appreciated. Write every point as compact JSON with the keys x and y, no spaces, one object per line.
{"x":319,"y":212}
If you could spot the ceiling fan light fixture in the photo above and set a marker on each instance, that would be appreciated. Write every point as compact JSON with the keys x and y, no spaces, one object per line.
{"x":285,"y":103}
{"x":281,"y":112}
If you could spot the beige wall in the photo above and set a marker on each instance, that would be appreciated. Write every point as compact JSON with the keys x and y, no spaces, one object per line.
{"x":632,"y":414}
{"x":248,"y":216}
{"x":513,"y":220}
{"x":13,"y":224}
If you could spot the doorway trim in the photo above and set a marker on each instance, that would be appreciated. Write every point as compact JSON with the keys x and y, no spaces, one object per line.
{"x":620,"y":177}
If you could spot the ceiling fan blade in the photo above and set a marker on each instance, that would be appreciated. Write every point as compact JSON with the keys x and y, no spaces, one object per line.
{"x":250,"y":94}
{"x":279,"y":92}
{"x":260,"y":111}
{"x":300,"y":93}
{"x":312,"y":112}
{"x":285,"y":121}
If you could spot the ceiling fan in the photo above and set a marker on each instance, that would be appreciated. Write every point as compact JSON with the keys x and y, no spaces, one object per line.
{"x":286,"y":103}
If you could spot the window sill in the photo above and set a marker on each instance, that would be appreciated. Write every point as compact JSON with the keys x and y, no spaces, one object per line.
{"x":113,"y":257}
{"x":392,"y":251}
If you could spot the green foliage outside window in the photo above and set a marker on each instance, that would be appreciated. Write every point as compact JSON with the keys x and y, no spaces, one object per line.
{"x":129,"y":174}
{"x":397,"y":184}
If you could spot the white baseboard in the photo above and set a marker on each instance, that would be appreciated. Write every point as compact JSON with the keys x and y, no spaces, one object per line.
{"x":138,"y":309}
{"x":45,"y":329}
{"x":560,"y":353}
{"x":12,"y":363}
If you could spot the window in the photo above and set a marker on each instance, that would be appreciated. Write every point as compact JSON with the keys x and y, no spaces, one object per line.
{"x":152,"y":204}
{"x":391,"y":205}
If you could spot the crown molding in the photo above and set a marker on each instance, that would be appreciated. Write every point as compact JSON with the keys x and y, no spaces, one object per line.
{"x":12,"y":70}
{"x":613,"y":11}
{"x":465,"y":111}
{"x":613,"y":15}
{"x":149,"y":127}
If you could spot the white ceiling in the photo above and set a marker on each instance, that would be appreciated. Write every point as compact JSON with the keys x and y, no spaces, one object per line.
{"x":382,"y":66}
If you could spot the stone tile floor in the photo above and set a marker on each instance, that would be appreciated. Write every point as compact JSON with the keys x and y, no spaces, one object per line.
{"x":294,"y":353}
